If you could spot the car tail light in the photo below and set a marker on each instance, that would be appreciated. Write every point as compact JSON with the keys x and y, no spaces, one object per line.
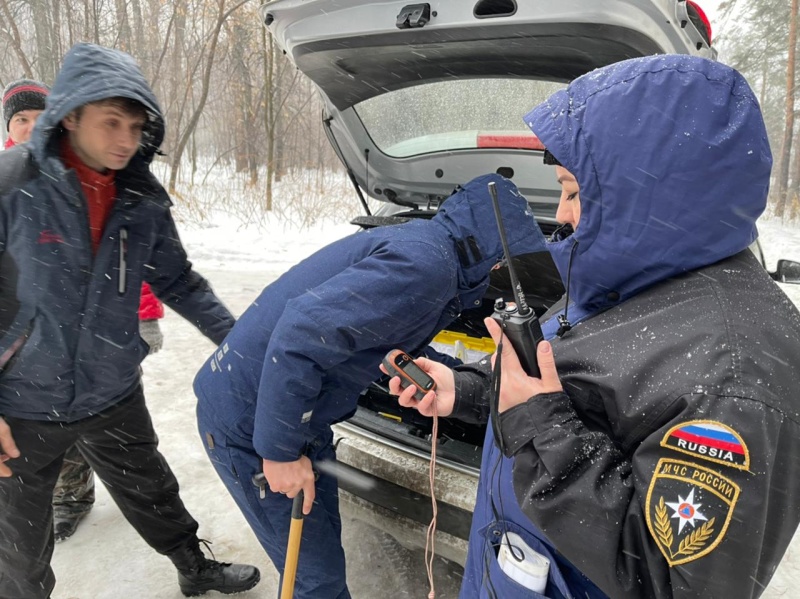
{"x":526,"y":141}
{"x":701,"y":15}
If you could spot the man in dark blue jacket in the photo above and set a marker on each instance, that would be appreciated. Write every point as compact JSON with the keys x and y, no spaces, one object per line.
{"x":83,"y":223}
{"x":299,"y":357}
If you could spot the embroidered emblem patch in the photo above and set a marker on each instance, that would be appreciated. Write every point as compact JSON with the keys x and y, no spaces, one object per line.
{"x":709,"y":440}
{"x":688,"y":509}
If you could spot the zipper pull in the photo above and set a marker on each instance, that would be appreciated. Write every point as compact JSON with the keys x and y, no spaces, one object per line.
{"x":123,"y":259}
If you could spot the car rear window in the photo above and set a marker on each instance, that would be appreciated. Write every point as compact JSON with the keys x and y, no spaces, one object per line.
{"x":454,"y":115}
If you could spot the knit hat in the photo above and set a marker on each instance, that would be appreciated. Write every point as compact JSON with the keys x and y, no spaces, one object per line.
{"x":23,"y":94}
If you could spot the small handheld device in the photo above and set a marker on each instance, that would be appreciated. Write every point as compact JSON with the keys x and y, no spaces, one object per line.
{"x":399,"y":363}
{"x":517,"y":318}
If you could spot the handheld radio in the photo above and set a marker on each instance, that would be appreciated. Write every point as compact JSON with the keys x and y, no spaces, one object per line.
{"x":517,"y":318}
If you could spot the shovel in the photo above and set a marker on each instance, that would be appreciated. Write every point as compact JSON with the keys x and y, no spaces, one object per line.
{"x":295,"y":532}
{"x":296,"y":527}
{"x":293,"y":547}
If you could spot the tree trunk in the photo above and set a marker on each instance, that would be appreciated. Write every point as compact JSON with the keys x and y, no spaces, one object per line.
{"x":240,"y":103}
{"x":70,"y":17}
{"x":123,"y":26}
{"x":269,"y":119}
{"x":138,"y":34}
{"x":46,"y":59}
{"x":95,"y":23}
{"x":55,"y":38}
{"x":782,"y":190}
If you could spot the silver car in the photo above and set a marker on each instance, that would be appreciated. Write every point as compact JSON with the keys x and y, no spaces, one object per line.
{"x":422,"y":97}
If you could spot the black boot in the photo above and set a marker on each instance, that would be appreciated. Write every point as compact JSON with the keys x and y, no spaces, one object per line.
{"x":197,"y":574}
{"x":64,"y":525}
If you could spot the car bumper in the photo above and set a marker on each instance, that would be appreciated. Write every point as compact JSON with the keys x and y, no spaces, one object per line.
{"x":397,"y":498}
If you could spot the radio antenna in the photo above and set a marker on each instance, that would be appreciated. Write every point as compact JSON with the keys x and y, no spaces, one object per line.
{"x":519,"y":297}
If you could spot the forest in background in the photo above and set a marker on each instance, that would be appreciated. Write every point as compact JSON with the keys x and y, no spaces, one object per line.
{"x":232,"y":100}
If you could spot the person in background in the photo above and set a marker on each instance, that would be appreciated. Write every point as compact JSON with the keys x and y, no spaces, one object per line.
{"x":73,"y":497}
{"x":656,"y":456}
{"x":297,"y":360}
{"x":23,"y":102}
{"x":83,"y":222}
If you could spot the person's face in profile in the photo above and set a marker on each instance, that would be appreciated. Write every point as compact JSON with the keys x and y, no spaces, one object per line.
{"x":569,"y":205}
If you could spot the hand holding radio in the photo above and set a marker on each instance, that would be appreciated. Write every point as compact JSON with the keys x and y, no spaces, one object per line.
{"x":516,"y":386}
{"x":414,"y":382}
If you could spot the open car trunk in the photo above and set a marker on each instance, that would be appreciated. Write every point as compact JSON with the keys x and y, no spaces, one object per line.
{"x":460,"y":443}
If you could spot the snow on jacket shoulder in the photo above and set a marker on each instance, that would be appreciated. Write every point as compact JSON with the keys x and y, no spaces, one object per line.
{"x":77,"y":312}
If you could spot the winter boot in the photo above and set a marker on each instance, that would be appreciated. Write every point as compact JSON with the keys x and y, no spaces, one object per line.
{"x":197,"y":574}
{"x":65,"y":524}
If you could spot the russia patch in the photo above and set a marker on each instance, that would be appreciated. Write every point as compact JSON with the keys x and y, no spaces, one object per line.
{"x":688,"y":509}
{"x":709,"y":440}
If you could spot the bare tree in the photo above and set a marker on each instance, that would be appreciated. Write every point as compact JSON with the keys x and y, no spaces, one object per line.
{"x":228,"y":95}
{"x":786,"y":147}
{"x":11,"y":31}
{"x":123,"y":26}
{"x":211,"y":49}
{"x":47,"y":61}
{"x":269,"y":110}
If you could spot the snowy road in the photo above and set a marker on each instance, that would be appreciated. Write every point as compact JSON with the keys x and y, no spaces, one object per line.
{"x":107,"y":560}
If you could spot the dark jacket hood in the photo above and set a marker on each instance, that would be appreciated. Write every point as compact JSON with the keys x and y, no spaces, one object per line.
{"x":91,"y":73}
{"x":673,"y":162}
{"x":470,"y":220}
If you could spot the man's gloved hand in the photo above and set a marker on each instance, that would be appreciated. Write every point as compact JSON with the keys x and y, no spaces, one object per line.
{"x":150,"y":331}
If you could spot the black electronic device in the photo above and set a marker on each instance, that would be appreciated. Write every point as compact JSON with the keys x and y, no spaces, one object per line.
{"x":519,"y":321}
{"x":399,"y":363}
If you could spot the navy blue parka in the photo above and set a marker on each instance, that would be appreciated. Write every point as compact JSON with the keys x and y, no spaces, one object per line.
{"x":301,"y":354}
{"x":69,"y":339}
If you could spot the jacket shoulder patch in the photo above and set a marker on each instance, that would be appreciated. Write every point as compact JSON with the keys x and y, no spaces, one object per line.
{"x":688,"y":509}
{"x":709,"y":440}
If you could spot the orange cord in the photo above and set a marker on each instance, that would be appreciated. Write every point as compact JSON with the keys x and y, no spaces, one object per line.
{"x":430,"y":538}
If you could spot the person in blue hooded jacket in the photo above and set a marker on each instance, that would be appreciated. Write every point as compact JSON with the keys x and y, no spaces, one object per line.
{"x":657,"y":454}
{"x":83,"y":222}
{"x":298,"y":358}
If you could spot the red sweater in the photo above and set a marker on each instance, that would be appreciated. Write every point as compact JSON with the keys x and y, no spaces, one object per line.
{"x":100,"y":191}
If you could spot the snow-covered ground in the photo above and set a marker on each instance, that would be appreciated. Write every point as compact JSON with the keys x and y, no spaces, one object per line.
{"x":107,"y":560}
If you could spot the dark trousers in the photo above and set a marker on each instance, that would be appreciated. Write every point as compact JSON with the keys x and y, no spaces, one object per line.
{"x":122,"y":447}
{"x":321,"y":564}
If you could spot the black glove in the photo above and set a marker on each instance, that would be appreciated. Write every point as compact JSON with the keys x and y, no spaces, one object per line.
{"x":150,"y":331}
